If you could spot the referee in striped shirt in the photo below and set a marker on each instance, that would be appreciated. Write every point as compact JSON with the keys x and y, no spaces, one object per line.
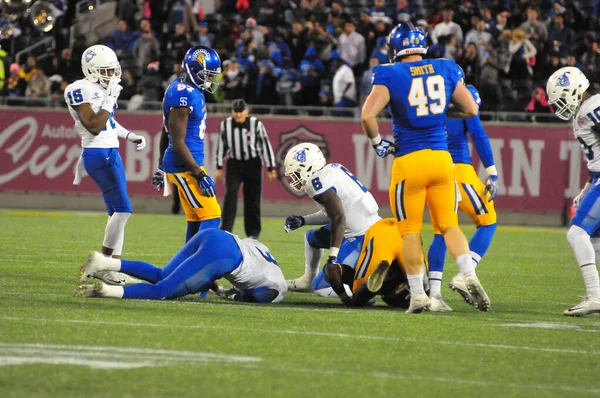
{"x":244,"y":141}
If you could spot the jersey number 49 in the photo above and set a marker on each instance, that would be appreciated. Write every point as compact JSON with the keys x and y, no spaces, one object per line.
{"x":428,"y":96}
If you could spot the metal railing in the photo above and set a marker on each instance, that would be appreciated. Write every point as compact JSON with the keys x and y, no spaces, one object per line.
{"x":47,"y":43}
{"x":303,"y":112}
{"x":85,"y":6}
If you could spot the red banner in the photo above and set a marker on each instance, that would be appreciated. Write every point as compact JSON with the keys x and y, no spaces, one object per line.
{"x":39,"y":150}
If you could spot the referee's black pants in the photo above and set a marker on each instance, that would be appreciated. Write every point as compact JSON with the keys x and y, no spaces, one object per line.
{"x":248,"y":173}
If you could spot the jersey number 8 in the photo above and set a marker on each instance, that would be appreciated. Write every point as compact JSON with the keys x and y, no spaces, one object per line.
{"x":419,"y":97}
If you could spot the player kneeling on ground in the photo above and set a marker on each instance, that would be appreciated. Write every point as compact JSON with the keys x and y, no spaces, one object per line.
{"x":346,"y":209}
{"x":210,"y":255}
{"x":379,"y":271}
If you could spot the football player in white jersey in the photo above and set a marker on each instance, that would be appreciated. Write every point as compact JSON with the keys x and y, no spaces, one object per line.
{"x":91,"y":102}
{"x":346,"y":209}
{"x":211,"y":254}
{"x":567,"y":91}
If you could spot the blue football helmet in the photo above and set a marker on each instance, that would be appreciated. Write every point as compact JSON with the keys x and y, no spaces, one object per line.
{"x":406,"y":39}
{"x":203,"y":66}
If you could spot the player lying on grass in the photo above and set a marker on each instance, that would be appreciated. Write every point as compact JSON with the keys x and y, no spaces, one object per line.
{"x":346,"y":208}
{"x":379,"y":271}
{"x":567,"y":91}
{"x":209,"y":255}
{"x":476,"y":200}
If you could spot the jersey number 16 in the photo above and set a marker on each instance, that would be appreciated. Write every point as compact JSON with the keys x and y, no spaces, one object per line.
{"x":428,"y":97}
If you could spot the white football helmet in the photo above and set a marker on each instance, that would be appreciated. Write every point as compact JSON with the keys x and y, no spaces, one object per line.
{"x":302,"y":162}
{"x":99,"y":63}
{"x":565,"y":90}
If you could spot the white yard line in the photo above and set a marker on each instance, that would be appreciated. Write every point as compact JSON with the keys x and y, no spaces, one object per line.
{"x":312,"y":333}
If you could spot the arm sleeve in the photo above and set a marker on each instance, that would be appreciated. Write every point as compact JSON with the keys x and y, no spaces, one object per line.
{"x":318,"y":218}
{"x":120,"y":130}
{"x":267,"y":151}
{"x":221,"y":145}
{"x":480,"y":140}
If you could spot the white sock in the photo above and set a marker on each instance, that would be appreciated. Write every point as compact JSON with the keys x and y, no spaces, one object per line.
{"x":416,"y":284}
{"x":466,"y":264}
{"x":591,"y":280}
{"x":119,"y":245}
{"x":425,"y":278}
{"x":585,"y":254}
{"x":110,"y":264}
{"x":435,"y":284}
{"x":312,"y":257}
{"x":596,"y":245}
{"x":112,"y":291}
{"x":476,"y":258}
{"x":115,"y":230}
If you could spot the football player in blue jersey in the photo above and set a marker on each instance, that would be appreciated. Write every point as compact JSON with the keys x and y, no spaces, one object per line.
{"x":476,"y":201}
{"x":184,"y":115}
{"x":420,"y":92}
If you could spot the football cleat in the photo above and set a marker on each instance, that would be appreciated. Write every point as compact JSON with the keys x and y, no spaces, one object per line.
{"x":438,"y":305}
{"x":116,"y":278}
{"x":457,"y":283}
{"x":418,"y":304}
{"x":227,"y":294}
{"x":480,"y":297}
{"x":94,"y":290}
{"x":376,"y":279}
{"x":302,"y":284}
{"x":93,"y":264}
{"x":588,"y":306}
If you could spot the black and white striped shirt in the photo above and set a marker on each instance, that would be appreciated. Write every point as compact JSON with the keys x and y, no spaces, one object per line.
{"x":244,"y":142}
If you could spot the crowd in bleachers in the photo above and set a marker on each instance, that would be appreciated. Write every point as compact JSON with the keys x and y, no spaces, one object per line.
{"x":322,"y":52}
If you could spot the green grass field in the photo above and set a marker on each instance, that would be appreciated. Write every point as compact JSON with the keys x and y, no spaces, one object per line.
{"x":52,"y":344}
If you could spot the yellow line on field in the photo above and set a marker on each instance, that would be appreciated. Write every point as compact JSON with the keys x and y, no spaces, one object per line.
{"x":40,"y":214}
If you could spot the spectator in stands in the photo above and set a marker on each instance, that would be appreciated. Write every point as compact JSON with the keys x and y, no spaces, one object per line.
{"x":177,"y":73}
{"x":288,"y":85}
{"x":450,"y":48}
{"x":206,"y":38}
{"x":380,"y":13}
{"x":15,"y":85}
{"x":366,"y":82}
{"x":591,"y":61}
{"x":539,"y":104}
{"x":558,"y":8}
{"x":57,"y":90}
{"x":535,"y":30}
{"x":179,"y":43}
{"x":447,"y":27}
{"x":470,"y":64}
{"x":146,"y":50}
{"x":298,"y":42}
{"x":120,"y":40}
{"x":560,"y":38}
{"x":234,"y":81}
{"x":126,"y":11}
{"x":266,"y":85}
{"x":479,"y":37}
{"x":27,"y":71}
{"x":38,"y":85}
{"x":67,"y":67}
{"x":268,"y":13}
{"x":366,"y":28}
{"x":301,"y":13}
{"x":253,"y":28}
{"x":150,"y":84}
{"x":405,"y":12}
{"x":311,"y":72}
{"x":489,"y":79}
{"x":381,"y":50}
{"x":344,"y":85}
{"x":521,"y":53}
{"x":572,"y":61}
{"x":500,"y":25}
{"x":145,"y":28}
{"x":351,"y":46}
{"x":323,"y":41}
{"x":466,"y":11}
{"x":277,"y":44}
{"x":337,"y":10}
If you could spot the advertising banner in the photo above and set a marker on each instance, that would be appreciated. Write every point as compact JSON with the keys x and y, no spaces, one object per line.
{"x":541,"y":168}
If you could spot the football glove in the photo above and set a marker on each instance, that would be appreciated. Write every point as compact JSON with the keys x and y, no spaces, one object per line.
{"x":207,"y":185}
{"x":112,"y":94}
{"x":158,"y":179}
{"x":491,"y":186}
{"x":138,"y":140}
{"x":293,"y":222}
{"x":385,"y":148}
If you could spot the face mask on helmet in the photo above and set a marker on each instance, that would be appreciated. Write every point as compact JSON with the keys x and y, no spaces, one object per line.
{"x":296,"y":181}
{"x":100,"y":64}
{"x":565,"y":90}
